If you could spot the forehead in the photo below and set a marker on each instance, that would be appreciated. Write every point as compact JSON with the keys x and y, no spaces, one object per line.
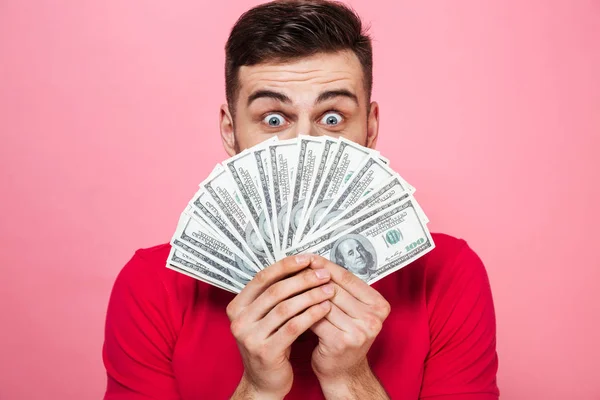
{"x":348,"y":244}
{"x":303,"y":79}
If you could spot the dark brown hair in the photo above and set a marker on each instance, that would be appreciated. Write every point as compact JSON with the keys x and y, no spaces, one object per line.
{"x":285,"y":30}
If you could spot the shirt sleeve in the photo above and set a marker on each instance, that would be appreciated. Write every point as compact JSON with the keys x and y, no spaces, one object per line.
{"x":139,"y":336}
{"x":462,"y":362}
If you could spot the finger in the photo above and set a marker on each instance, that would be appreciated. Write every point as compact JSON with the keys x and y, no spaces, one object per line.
{"x":341,"y":320}
{"x":289,"y":332}
{"x":327,"y":332}
{"x":293,"y":306}
{"x":349,"y":304}
{"x":266,"y":278}
{"x":347,"y":280}
{"x":284,"y":289}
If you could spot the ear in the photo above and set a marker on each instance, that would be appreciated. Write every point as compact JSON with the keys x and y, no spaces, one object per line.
{"x":227,"y":131}
{"x":373,"y":125}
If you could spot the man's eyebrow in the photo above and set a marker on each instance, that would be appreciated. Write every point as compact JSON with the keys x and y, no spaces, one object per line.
{"x":269,"y":94}
{"x":330,"y":94}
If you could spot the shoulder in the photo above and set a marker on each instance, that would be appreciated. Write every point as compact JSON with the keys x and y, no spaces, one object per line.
{"x":448,"y":251}
{"x":462,"y":325}
{"x":452,"y":260}
{"x":150,"y":265}
{"x":439,"y":274}
{"x":146,"y":280}
{"x":152,"y":259}
{"x":143,"y":321}
{"x":457,"y":288}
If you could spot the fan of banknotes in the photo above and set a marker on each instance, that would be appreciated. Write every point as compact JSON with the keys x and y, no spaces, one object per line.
{"x":321,"y":195}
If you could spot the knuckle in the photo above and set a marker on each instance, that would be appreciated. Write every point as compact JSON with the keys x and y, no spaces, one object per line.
{"x":282,"y":309}
{"x":262,"y":277}
{"x":231,"y":310}
{"x":347,"y":278}
{"x":292,"y":328}
{"x":236,"y":328}
{"x":383,"y":308}
{"x":273,"y":291}
{"x":373,"y":325}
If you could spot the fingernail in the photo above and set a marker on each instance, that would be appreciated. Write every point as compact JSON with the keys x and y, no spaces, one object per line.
{"x":322,"y":273}
{"x":327,"y":288}
{"x":303,"y":258}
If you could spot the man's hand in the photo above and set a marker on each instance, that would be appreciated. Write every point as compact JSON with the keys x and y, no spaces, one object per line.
{"x":346,"y":334}
{"x":276,"y":307}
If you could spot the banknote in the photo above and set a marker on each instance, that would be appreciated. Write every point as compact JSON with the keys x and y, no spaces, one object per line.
{"x":347,"y":158}
{"x":326,"y":159}
{"x":179,"y":261}
{"x":244,"y":170}
{"x":192,"y":235}
{"x":282,"y":160}
{"x":261,"y":155}
{"x":374,"y":247}
{"x":230,"y":201}
{"x":309,"y":194}
{"x":393,"y":188}
{"x":310,"y":150}
{"x":224,"y":215}
{"x":367,"y":178}
{"x":325,"y":234}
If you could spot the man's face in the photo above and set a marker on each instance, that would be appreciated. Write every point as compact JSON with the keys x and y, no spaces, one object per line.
{"x":354,"y":256}
{"x":318,"y":95}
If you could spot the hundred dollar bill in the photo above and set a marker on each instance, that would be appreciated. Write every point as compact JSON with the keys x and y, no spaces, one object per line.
{"x":261,"y":154}
{"x":241,"y":260}
{"x":374,"y":247}
{"x":347,"y":158}
{"x":325,"y":233}
{"x":181,"y":262}
{"x":244,"y":172}
{"x":282,"y":160}
{"x":217,"y":202}
{"x":230,"y":202}
{"x":180,"y":268}
{"x":310,"y":150}
{"x":368,"y":177}
{"x":393,"y":188}
{"x":194,"y":238}
{"x":326,"y":159}
{"x":209,"y":264}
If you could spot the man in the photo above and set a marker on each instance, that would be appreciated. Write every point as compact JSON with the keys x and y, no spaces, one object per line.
{"x":303,"y":328}
{"x":350,"y":253}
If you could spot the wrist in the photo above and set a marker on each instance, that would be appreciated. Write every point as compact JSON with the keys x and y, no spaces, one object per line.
{"x":358,"y":383}
{"x":343,"y":381}
{"x":247,"y":390}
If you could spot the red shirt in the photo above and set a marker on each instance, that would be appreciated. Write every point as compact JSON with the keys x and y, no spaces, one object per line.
{"x":167,"y":335}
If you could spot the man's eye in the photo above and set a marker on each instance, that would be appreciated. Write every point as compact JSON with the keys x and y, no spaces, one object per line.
{"x":274,"y":120}
{"x":331,"y":119}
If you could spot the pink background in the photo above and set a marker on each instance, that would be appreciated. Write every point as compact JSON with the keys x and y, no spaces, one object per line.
{"x":108,"y":121}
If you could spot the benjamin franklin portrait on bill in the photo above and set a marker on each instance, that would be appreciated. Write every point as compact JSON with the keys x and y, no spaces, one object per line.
{"x":355,"y":253}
